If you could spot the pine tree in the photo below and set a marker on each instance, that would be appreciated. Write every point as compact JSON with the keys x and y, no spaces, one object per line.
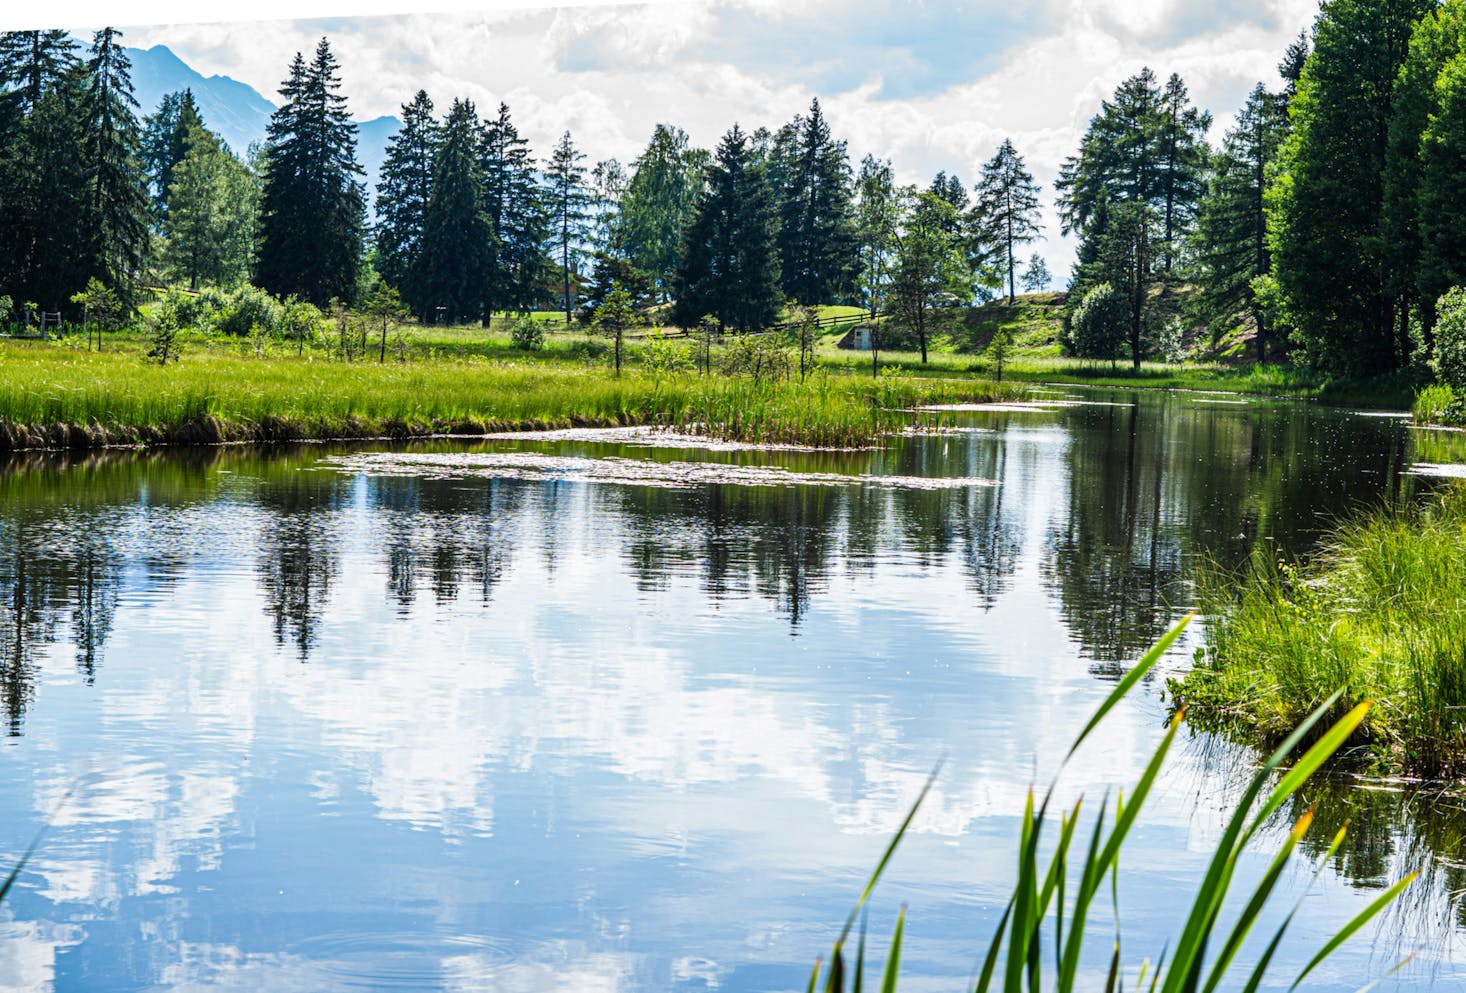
{"x":816,"y":242}
{"x":312,"y":210}
{"x":569,"y":203}
{"x":404,"y":190}
{"x":1182,"y":158}
{"x":1231,"y":230}
{"x":660,"y":197}
{"x":1007,"y":206}
{"x":517,"y":217}
{"x":1325,"y":210}
{"x":452,"y":268}
{"x":208,"y":232}
{"x":1117,"y":161}
{"x":31,"y":62}
{"x":1037,"y":276}
{"x":165,"y":143}
{"x":730,"y":260}
{"x":118,"y":202}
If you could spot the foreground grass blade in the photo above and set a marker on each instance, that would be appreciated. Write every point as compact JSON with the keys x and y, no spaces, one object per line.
{"x":886,"y":856}
{"x":1147,"y":662}
{"x":1360,"y":919}
{"x":893,"y":959}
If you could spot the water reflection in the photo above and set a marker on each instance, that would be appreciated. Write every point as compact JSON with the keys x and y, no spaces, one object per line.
{"x":607,"y":736}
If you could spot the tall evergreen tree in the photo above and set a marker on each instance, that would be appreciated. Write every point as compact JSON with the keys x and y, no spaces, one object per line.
{"x":1325,"y":212}
{"x":1438,"y":38}
{"x":166,"y":133}
{"x":404,"y":189}
{"x":209,"y":230}
{"x":1182,"y":159}
{"x":31,"y":62}
{"x":452,"y":268}
{"x":730,"y":259}
{"x":569,"y":210}
{"x":312,"y":210}
{"x":117,"y":198}
{"x":513,"y":201}
{"x":1231,"y":230}
{"x":607,"y":186}
{"x":1007,"y":208}
{"x":816,"y":241}
{"x":1116,"y":161}
{"x":660,"y":197}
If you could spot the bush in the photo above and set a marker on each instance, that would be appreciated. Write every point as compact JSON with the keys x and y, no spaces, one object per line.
{"x":245,"y":309}
{"x":1449,"y":360}
{"x":1097,"y":329}
{"x":662,"y":355}
{"x":527,"y":334}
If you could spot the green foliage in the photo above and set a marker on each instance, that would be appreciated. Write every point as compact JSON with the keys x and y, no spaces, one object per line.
{"x":213,"y":205}
{"x":1442,"y":168}
{"x":1099,"y":324}
{"x":1212,"y":933}
{"x":657,"y":205}
{"x":312,"y":205}
{"x":1326,"y":206}
{"x":614,"y":318}
{"x":763,"y":358}
{"x":931,"y":270}
{"x":239,"y":312}
{"x":527,"y":334}
{"x":1449,"y":358}
{"x":877,"y":213}
{"x":164,"y":144}
{"x":730,"y":264}
{"x":662,"y":355}
{"x":1000,"y":348}
{"x":1439,"y":404}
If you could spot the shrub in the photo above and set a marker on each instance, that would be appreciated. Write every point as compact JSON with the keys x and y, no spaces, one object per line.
{"x":1439,"y":404}
{"x":195,"y":310}
{"x":527,"y":334}
{"x":246,"y":308}
{"x":1098,"y":326}
{"x":662,"y":355}
{"x":1449,"y":360}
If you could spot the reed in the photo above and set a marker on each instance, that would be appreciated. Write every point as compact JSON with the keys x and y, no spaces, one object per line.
{"x":1040,"y":941}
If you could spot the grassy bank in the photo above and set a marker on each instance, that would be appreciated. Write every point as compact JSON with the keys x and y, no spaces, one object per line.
{"x":1381,"y":612}
{"x":53,"y":395}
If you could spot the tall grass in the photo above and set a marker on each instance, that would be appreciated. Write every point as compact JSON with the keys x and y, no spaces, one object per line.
{"x":243,"y":397}
{"x":1380,"y":612}
{"x":1040,"y":940}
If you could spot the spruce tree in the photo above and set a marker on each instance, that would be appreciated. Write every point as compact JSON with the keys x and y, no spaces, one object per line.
{"x":165,"y":142}
{"x":1182,"y":157}
{"x":208,"y":232}
{"x":1231,"y":230}
{"x":117,"y":198}
{"x":404,"y":189}
{"x":730,"y":260}
{"x":452,"y":268}
{"x":1325,"y":210}
{"x":569,"y":209}
{"x":517,"y":217}
{"x":312,"y":210}
{"x":31,"y":62}
{"x":816,"y":241}
{"x":1007,"y":207}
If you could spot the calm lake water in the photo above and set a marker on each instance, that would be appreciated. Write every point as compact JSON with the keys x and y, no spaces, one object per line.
{"x":602,"y":715}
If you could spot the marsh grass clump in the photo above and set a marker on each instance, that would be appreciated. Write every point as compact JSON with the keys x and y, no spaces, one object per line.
{"x":1380,"y":612}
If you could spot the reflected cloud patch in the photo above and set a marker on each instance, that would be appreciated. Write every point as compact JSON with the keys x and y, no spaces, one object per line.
{"x":626,"y":472}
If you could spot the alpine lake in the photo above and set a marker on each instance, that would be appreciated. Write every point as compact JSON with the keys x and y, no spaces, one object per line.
{"x":618,"y":711}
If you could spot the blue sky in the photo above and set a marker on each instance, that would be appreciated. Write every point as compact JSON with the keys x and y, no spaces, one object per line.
{"x":934,"y":85}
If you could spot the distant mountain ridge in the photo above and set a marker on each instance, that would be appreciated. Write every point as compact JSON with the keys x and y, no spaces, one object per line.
{"x":235,"y":110}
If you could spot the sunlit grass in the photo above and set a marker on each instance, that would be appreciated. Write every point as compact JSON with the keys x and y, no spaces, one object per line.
{"x":1380,"y":613}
